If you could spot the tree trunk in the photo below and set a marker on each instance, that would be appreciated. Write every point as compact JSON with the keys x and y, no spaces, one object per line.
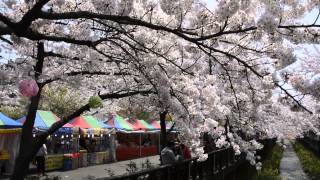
{"x":29,"y":145}
{"x":21,"y":166}
{"x":163,"y":137}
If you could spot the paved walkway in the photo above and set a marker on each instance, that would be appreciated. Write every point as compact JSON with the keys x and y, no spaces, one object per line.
{"x":290,"y":167}
{"x":100,"y":171}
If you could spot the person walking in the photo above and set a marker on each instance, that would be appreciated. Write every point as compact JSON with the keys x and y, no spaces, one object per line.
{"x":40,"y":159}
{"x":168,"y":156}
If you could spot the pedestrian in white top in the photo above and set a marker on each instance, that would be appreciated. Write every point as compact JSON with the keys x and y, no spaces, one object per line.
{"x":168,"y":156}
{"x":40,"y":159}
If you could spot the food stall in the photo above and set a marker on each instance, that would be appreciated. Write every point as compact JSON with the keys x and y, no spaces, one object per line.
{"x":96,"y":141}
{"x":10,"y":132}
{"x":148,"y":138}
{"x":135,"y":138}
{"x":64,"y":141}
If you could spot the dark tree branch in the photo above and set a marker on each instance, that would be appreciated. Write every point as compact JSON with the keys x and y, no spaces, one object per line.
{"x":299,"y":26}
{"x":292,"y":97}
{"x":6,"y":40}
{"x":75,"y":73}
{"x":30,"y":16}
{"x":127,"y":94}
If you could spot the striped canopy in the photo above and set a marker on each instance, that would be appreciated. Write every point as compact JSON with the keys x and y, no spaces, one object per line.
{"x":88,"y":122}
{"x":119,"y":123}
{"x":157,"y":126}
{"x":44,"y":120}
{"x":143,"y":125}
{"x":6,"y":122}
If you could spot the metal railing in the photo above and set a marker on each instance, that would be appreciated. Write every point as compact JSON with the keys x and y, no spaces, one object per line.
{"x":218,"y":164}
{"x":312,"y":143}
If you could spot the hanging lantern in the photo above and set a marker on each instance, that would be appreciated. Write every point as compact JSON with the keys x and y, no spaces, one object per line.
{"x":34,"y":135}
{"x":101,"y":135}
{"x":109,"y":135}
{"x":62,"y":137}
{"x":55,"y":135}
{"x":67,"y":136}
{"x":79,"y":136}
{"x":72,"y":135}
{"x":88,"y":135}
{"x":28,"y":88}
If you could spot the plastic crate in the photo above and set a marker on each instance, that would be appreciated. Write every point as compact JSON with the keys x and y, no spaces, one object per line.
{"x":67,"y":162}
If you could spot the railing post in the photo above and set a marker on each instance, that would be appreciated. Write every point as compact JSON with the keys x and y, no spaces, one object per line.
{"x":194,"y":170}
{"x":214,"y":162}
{"x":166,"y":174}
{"x":200,"y":170}
{"x":228,"y":157}
{"x":152,"y":175}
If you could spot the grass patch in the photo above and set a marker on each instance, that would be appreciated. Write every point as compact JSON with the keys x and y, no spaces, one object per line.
{"x":309,"y":161}
{"x":271,"y":165}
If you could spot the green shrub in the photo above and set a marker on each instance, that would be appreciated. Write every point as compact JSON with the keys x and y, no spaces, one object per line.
{"x":309,"y":161}
{"x":270,"y":166}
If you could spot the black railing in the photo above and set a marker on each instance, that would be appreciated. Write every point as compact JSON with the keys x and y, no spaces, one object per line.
{"x":312,"y":143}
{"x":218,"y":164}
{"x":221,"y":164}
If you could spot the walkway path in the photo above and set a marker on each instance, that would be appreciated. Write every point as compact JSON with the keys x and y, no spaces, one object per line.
{"x":100,"y":171}
{"x":290,"y":167}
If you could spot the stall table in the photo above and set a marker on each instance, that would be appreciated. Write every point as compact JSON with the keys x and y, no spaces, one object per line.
{"x":54,"y":162}
{"x":83,"y":159}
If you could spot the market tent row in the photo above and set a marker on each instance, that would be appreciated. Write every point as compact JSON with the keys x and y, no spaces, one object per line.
{"x":10,"y":131}
{"x":64,"y":145}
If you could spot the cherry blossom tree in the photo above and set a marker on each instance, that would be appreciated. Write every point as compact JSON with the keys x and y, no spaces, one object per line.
{"x":212,"y":69}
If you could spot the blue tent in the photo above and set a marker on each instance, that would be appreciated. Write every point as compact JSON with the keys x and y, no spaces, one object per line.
{"x":6,"y":122}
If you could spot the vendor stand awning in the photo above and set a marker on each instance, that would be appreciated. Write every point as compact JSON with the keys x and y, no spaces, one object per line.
{"x":119,"y":123}
{"x":88,"y":122}
{"x":6,"y":122}
{"x":156,"y":125}
{"x":143,"y":125}
{"x":90,"y":125}
{"x":44,"y":120}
